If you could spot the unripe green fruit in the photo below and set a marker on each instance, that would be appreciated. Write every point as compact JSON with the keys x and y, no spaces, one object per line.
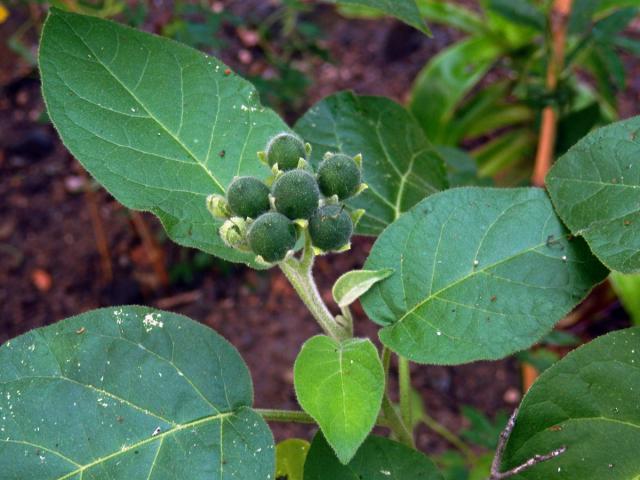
{"x":296,"y":194}
{"x":286,"y":150}
{"x":272,"y":235}
{"x":330,"y":228}
{"x":339,"y":175}
{"x":248,"y":197}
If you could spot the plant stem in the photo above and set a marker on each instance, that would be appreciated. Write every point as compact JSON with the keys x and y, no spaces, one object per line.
{"x":404,"y":377}
{"x":298,"y":272}
{"x":394,"y":421}
{"x":450,"y":437}
{"x":298,"y":416}
{"x":295,"y":416}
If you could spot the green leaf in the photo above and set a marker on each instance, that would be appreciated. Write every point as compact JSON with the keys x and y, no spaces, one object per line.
{"x":399,"y":165}
{"x":480,"y":273}
{"x":461,"y":167}
{"x":627,"y":287}
{"x":405,"y":10}
{"x":456,"y":16}
{"x":341,"y":386}
{"x":521,"y":12}
{"x":378,"y":459}
{"x":595,"y":188}
{"x":350,"y":286}
{"x":128,"y":393}
{"x":443,"y":83}
{"x":158,"y":124}
{"x":587,"y":402}
{"x":290,"y":457}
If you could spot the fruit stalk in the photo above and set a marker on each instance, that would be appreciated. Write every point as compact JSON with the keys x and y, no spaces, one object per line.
{"x":298,"y":272}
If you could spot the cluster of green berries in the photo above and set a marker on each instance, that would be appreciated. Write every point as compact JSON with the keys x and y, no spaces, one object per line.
{"x":268,"y":218}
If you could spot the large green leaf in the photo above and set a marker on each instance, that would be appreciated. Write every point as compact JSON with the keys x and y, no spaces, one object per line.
{"x":587,"y":402}
{"x":341,"y":386}
{"x":443,"y":83}
{"x":453,"y":15}
{"x":400,"y":166}
{"x":405,"y":10}
{"x":378,"y":459}
{"x":159,"y":124}
{"x":480,"y":273}
{"x":128,"y":393}
{"x":595,"y":188}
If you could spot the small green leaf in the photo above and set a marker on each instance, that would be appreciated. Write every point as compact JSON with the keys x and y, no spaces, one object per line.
{"x":400,"y":166}
{"x":378,"y":459}
{"x":595,"y":188}
{"x":341,"y":386}
{"x":481,"y":273}
{"x":160,"y":125}
{"x":290,"y":457}
{"x":350,"y":286}
{"x":628,"y":289}
{"x":128,"y":393}
{"x":405,"y":10}
{"x":587,"y":402}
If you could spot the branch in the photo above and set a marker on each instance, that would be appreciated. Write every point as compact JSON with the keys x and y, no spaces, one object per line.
{"x":502,"y":443}
{"x":549,"y":126}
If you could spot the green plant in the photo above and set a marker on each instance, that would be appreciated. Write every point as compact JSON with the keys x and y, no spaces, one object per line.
{"x":455,"y":275}
{"x":501,"y":121}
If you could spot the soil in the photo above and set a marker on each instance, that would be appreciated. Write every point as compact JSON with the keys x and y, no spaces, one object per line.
{"x":51,"y":216}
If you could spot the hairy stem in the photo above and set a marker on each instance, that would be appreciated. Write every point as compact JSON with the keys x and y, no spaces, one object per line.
{"x":394,"y":421}
{"x":404,"y":377}
{"x":298,"y":416}
{"x":450,"y":437}
{"x":298,"y":272}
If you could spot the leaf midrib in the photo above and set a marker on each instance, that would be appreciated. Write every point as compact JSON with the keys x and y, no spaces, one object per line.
{"x":142,"y":105}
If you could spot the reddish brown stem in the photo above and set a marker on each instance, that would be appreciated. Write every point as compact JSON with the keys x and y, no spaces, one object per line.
{"x":549,"y":123}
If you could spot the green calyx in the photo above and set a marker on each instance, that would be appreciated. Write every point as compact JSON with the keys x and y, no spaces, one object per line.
{"x":339,"y":175}
{"x":285,"y":150}
{"x":330,"y":228}
{"x":296,"y":194}
{"x":272,"y":236}
{"x":248,"y":197}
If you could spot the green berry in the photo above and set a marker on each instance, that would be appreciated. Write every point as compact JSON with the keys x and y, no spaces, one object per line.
{"x":296,"y":194}
{"x":330,"y":228}
{"x":248,"y":197}
{"x":286,"y":150}
{"x":272,"y":235}
{"x":339,"y":175}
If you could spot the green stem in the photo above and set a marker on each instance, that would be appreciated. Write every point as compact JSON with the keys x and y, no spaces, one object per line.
{"x":298,"y":416}
{"x":295,"y":416}
{"x":404,"y":376}
{"x":450,"y":437}
{"x":298,"y":272}
{"x":394,"y":421}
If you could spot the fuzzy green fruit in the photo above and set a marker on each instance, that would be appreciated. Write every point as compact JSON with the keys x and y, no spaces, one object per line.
{"x":339,"y":175}
{"x":248,"y":197}
{"x":330,"y":228}
{"x":296,"y":194}
{"x":286,"y":150}
{"x":272,"y":235}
